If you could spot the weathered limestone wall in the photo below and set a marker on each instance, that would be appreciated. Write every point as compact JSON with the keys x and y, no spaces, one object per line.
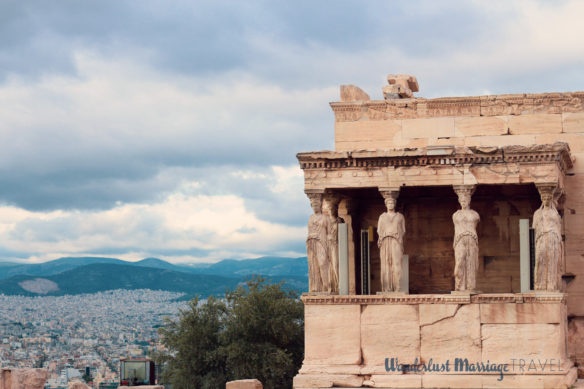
{"x":23,"y":378}
{"x":244,"y":384}
{"x":522,"y":119}
{"x":365,"y":341}
{"x":462,"y":121}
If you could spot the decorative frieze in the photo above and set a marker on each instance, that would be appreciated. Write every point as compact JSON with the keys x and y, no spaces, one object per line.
{"x":537,"y":154}
{"x":499,"y":105}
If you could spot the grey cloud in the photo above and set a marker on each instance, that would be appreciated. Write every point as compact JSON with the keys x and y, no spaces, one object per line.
{"x":7,"y":255}
{"x":210,"y":37}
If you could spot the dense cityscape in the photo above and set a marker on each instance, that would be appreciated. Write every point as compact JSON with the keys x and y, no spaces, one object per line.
{"x":83,"y":336}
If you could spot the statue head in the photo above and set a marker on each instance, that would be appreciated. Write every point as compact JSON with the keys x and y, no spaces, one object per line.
{"x":390,"y":198}
{"x":464,"y":200}
{"x":546,"y":199}
{"x":464,"y":193}
{"x":390,"y":203}
{"x":546,"y":193}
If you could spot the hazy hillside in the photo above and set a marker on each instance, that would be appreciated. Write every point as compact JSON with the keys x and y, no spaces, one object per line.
{"x":269,"y":266}
{"x":9,"y":269}
{"x":93,"y":274}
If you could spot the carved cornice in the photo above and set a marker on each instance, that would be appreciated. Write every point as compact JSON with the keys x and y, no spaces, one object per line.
{"x":517,"y":104}
{"x":412,"y":299}
{"x":386,"y":299}
{"x":536,"y":154}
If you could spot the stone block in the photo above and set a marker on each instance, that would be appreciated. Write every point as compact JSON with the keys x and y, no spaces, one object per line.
{"x":575,"y":306}
{"x":575,"y":140}
{"x":506,"y":343}
{"x":312,"y":381}
{"x":521,"y":313}
{"x":331,"y":369}
{"x":369,"y":134}
{"x":453,"y":141}
{"x":400,"y":142}
{"x":535,"y":124}
{"x":451,"y":381}
{"x":550,"y":381}
{"x":576,"y":337}
{"x":432,"y":313}
{"x":514,"y":381}
{"x":450,"y":336}
{"x":573,"y":122}
{"x":23,"y":378}
{"x":575,"y":265}
{"x":480,"y":126}
{"x":396,"y":381}
{"x":332,"y":334}
{"x":244,"y":384}
{"x":428,"y":128}
{"x":499,"y":141}
{"x":353,"y":93}
{"x":327,"y":380}
{"x":389,"y":331}
{"x":577,"y":285}
{"x":578,"y":167}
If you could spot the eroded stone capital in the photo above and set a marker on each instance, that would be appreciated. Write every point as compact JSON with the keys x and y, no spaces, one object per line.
{"x":389,"y":193}
{"x":464,"y":190}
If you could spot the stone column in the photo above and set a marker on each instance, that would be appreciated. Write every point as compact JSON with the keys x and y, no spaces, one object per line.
{"x":317,"y":251}
{"x":331,"y":212}
{"x":346,"y":212}
{"x":547,"y":224}
{"x":466,"y":242}
{"x":391,"y":229}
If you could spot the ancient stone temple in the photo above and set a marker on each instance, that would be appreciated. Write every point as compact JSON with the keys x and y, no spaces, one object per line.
{"x":446,"y":247}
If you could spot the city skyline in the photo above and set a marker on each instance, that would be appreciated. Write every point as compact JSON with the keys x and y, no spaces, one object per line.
{"x":169,"y":130}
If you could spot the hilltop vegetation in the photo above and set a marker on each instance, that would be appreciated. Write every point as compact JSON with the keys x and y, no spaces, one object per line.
{"x":257,"y":331}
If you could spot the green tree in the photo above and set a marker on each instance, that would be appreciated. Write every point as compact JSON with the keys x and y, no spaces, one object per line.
{"x":264,"y":337}
{"x":195,"y":360}
{"x":257,"y":331}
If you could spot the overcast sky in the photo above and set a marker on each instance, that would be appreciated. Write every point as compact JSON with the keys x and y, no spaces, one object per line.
{"x":169,"y":129}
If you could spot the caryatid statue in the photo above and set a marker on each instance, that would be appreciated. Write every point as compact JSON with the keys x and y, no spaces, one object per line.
{"x":547,"y":224}
{"x":466,"y":241}
{"x":391,"y":229}
{"x":330,"y":209}
{"x":317,"y":247}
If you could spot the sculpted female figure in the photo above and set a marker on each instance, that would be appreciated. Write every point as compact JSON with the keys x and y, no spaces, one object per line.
{"x":391,"y":229}
{"x":466,"y":243}
{"x":548,"y":244}
{"x":329,"y":208}
{"x":317,"y":247}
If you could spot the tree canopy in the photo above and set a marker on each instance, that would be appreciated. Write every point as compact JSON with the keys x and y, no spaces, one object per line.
{"x":256,"y":331}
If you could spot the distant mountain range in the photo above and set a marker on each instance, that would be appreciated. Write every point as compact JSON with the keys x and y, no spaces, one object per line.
{"x":78,"y":275}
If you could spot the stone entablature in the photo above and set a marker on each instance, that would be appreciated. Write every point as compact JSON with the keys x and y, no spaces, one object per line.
{"x":498,"y":105}
{"x":431,"y":166}
{"x":441,"y":155}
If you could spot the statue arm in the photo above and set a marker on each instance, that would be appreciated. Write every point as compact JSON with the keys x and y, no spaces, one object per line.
{"x":536,"y":217}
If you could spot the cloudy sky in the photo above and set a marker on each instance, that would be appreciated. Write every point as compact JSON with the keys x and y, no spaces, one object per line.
{"x":161,"y":128}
